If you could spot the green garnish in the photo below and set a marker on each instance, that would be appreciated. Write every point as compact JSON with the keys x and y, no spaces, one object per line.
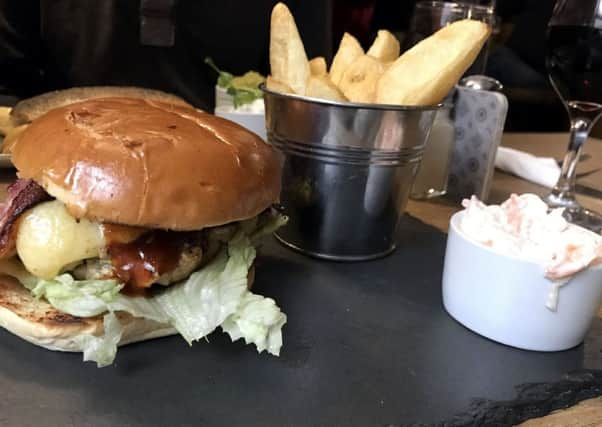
{"x":244,"y":89}
{"x":224,"y":78}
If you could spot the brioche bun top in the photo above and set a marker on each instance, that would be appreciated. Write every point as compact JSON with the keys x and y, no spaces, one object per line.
{"x":149,"y":163}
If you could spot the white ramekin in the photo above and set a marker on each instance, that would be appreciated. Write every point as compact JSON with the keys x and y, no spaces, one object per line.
{"x":224,"y":107}
{"x":255,"y":122}
{"x":504,"y":298}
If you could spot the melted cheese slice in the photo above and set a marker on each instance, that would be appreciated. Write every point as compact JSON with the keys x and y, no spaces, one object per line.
{"x":49,"y":239}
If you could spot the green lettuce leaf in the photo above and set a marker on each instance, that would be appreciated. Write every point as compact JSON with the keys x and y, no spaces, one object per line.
{"x":201,"y":303}
{"x":257,"y":320}
{"x":213,"y":296}
{"x":102,"y":349}
{"x":244,"y":89}
{"x":224,"y":78}
{"x":244,"y":95}
{"x":83,"y":298}
{"x":144,"y":307}
{"x":267,"y":227}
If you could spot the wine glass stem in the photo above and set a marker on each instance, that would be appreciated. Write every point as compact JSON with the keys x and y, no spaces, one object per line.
{"x":563,"y":192}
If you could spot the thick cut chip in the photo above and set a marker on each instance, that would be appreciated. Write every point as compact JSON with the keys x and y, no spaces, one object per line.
{"x":321,"y":87}
{"x":11,"y":138}
{"x":6,"y":123}
{"x":426,"y":73}
{"x":359,"y":79}
{"x":349,"y":50}
{"x":288,"y":60}
{"x":317,"y":66}
{"x":277,"y":86}
{"x":385,"y":47}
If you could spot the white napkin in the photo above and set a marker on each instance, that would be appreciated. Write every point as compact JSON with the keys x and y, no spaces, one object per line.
{"x":540,"y":170}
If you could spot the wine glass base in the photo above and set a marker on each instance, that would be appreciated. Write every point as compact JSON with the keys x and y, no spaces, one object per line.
{"x":584,"y":218}
{"x":557,"y":199}
{"x":574,"y":212}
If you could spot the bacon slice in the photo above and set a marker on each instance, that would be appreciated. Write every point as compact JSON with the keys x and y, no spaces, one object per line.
{"x":22,"y":194}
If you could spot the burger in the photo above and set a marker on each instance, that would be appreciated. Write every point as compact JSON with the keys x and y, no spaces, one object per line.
{"x":135,"y":218}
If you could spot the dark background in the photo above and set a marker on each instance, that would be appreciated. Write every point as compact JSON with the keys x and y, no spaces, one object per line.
{"x":53,"y":44}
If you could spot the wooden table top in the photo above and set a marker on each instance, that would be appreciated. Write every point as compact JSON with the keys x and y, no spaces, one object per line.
{"x":437,"y":212}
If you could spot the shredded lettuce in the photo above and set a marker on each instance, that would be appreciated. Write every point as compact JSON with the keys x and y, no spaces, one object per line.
{"x":102,"y":349}
{"x":83,"y":298}
{"x":147,"y":308}
{"x":273,"y":223}
{"x":201,"y":303}
{"x":259,"y":321}
{"x":213,"y":296}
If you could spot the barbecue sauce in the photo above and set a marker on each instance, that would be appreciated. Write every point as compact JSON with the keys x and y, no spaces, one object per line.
{"x":139,"y":264}
{"x":116,"y":233}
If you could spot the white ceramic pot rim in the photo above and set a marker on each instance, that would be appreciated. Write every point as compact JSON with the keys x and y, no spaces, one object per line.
{"x":454,"y":223}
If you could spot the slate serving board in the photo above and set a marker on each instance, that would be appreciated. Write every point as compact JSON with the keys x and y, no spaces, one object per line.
{"x":365,"y":344}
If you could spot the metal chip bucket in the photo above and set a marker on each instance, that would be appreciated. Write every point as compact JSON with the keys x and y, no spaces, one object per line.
{"x":348,"y":171}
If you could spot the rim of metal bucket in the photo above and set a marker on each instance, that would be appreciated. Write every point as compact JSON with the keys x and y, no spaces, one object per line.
{"x":387,"y":107}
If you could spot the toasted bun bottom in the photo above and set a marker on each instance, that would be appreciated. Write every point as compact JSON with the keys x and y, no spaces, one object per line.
{"x":41,"y":324}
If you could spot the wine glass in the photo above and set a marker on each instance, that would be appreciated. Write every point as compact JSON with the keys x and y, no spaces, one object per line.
{"x":430,"y":16}
{"x":574,"y":63}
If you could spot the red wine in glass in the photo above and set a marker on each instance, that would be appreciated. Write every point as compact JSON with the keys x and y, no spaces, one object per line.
{"x":574,"y":61}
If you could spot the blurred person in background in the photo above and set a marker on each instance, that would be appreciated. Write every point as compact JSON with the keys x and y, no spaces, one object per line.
{"x":354,"y":17}
{"x":516,"y":56}
{"x":363,"y":18}
{"x":520,"y":60}
{"x":160,"y":44}
{"x":517,"y":59}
